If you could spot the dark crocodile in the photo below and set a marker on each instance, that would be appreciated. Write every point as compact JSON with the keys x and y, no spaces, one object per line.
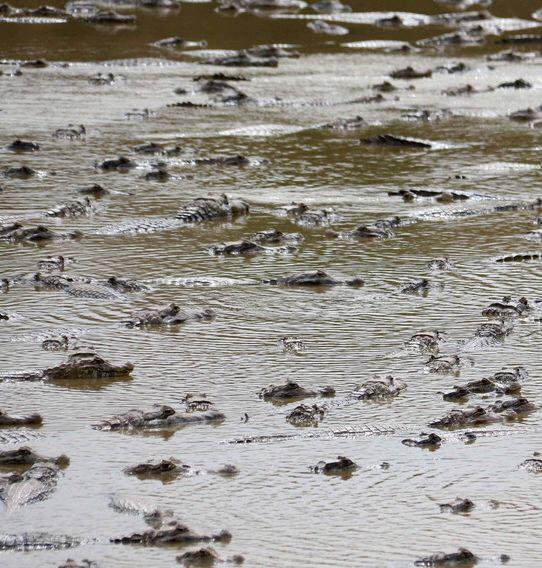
{"x":16,"y":233}
{"x":410,"y":73}
{"x":512,"y":56}
{"x":167,"y":468}
{"x":117,"y":164}
{"x":421,"y":286}
{"x":313,"y":279}
{"x":171,"y":533}
{"x":274,"y":237}
{"x":305,"y":415}
{"x":391,"y":140}
{"x":248,"y":248}
{"x":507,"y":308}
{"x":35,"y":484}
{"x":440,"y":196}
{"x":342,"y":466}
{"x":157,"y":417}
{"x":526,"y":115}
{"x":71,"y":209}
{"x":292,"y":391}
{"x":19,"y":172}
{"x":362,"y":232}
{"x":467,"y":89}
{"x":26,"y":456}
{"x":70,"y":133}
{"x":378,"y":388}
{"x":430,"y":441}
{"x":519,"y":258}
{"x":463,"y":558}
{"x":207,"y":557}
{"x":110,"y":18}
{"x":521,"y":39}
{"x":517,"y":84}
{"x":84,"y":366}
{"x":96,"y":191}
{"x":14,"y":420}
{"x":171,"y":314}
{"x":457,"y":506}
{"x":23,"y":146}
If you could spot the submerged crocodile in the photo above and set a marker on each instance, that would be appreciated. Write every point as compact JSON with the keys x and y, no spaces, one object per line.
{"x":379,"y":388}
{"x":313,"y":279}
{"x":71,"y":209}
{"x":167,"y":315}
{"x":507,"y":308}
{"x":70,"y":133}
{"x":488,"y":334}
{"x":463,"y":558}
{"x":79,"y":366}
{"x":391,"y":140}
{"x":171,"y":533}
{"x":291,"y":391}
{"x":207,"y":557}
{"x":292,"y":345}
{"x":502,"y":382}
{"x":410,"y":73}
{"x":440,"y":264}
{"x":71,"y":563}
{"x":37,"y":541}
{"x":275,"y":237}
{"x":457,"y":506}
{"x":305,"y":415}
{"x":519,"y":257}
{"x":19,"y":172}
{"x":427,"y":342}
{"x":157,"y":417}
{"x":342,"y":466}
{"x":444,"y":365}
{"x":13,"y":420}
{"x":26,"y":456}
{"x":171,"y":468}
{"x":248,"y":248}
{"x":23,"y":146}
{"x":430,"y":441}
{"x":362,"y":232}
{"x":35,"y":484}
{"x":301,"y":214}
{"x":16,"y":233}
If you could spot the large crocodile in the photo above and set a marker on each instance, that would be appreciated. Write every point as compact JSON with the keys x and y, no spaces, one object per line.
{"x":157,"y":417}
{"x":463,"y":558}
{"x":507,"y":308}
{"x":313,"y":279}
{"x":16,"y":233}
{"x":248,"y":248}
{"x":168,"y":469}
{"x":171,"y":314}
{"x":13,"y":420}
{"x":71,"y":208}
{"x":195,"y":211}
{"x":502,"y":382}
{"x":26,"y":456}
{"x":35,"y":484}
{"x":293,"y":391}
{"x":38,"y":541}
{"x":79,"y":366}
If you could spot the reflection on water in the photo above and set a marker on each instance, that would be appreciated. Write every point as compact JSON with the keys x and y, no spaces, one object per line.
{"x":278,"y":512}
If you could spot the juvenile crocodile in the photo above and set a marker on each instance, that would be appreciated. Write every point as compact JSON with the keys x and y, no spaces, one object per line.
{"x":427,"y":342}
{"x":96,"y":191}
{"x":13,"y":420}
{"x":167,"y":315}
{"x":313,"y":279}
{"x":378,"y":388}
{"x":420,"y":286}
{"x":292,"y":345}
{"x":207,"y":557}
{"x":54,"y":263}
{"x":532,"y":465}
{"x":35,"y":484}
{"x":438,"y":264}
{"x":171,"y":533}
{"x":291,"y":391}
{"x":157,"y":417}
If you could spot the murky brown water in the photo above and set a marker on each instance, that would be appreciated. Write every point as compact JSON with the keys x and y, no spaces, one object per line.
{"x":280,"y":515}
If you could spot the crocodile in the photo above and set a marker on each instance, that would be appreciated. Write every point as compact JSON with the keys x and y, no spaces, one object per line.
{"x":427,"y":341}
{"x":71,"y":209}
{"x":71,"y":563}
{"x":378,"y":388}
{"x":361,"y":232}
{"x":35,"y":64}
{"x":61,"y":343}
{"x":157,"y":417}
{"x":452,"y":38}
{"x":330,"y":7}
{"x":256,"y":5}
{"x":220,"y":77}
{"x":303,"y":215}
{"x":440,"y":264}
{"x":16,"y":233}
{"x":119,"y":164}
{"x":521,"y":39}
{"x":440,"y":196}
{"x":444,"y":365}
{"x":242,"y":59}
{"x":19,"y":436}
{"x":517,"y":84}
{"x":71,"y":133}
{"x":292,"y":345}
{"x":293,"y":391}
{"x":512,"y":56}
{"x":171,"y":533}
{"x":321,"y":27}
{"x":96,"y":191}
{"x":19,"y":172}
{"x":23,"y":146}
{"x":346,"y":124}
{"x":410,"y":73}
{"x":526,"y":115}
{"x":420,"y":286}
{"x":532,"y":465}
{"x":100,"y":79}
{"x":26,"y":456}
{"x":37,"y":541}
{"x":313,"y":279}
{"x":478,"y":416}
{"x":53,"y":263}
{"x":171,"y":468}
{"x":488,"y":334}
{"x":86,"y":366}
{"x":430,"y":441}
{"x":14,"y":420}
{"x":208,"y":208}
{"x":391,"y":140}
{"x":342,"y":466}
{"x":248,"y":248}
{"x":305,"y":415}
{"x":167,"y":315}
{"x":275,"y":237}
{"x":207,"y":557}
{"x":35,"y":484}
{"x":457,"y":506}
{"x":463,"y":558}
{"x":507,"y":308}
{"x":109,"y":17}
{"x":519,"y":258}
{"x":452,"y":68}
{"x":467,"y":89}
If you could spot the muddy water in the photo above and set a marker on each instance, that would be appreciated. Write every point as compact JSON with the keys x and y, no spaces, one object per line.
{"x":279,"y":514}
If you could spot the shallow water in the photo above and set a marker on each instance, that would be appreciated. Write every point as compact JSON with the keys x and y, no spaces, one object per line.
{"x":280,"y":515}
